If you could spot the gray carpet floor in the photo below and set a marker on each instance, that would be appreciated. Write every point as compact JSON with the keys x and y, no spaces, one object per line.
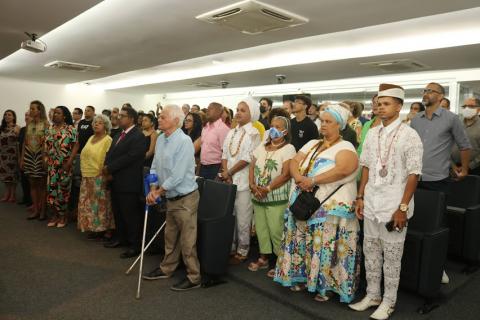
{"x":58,"y":274}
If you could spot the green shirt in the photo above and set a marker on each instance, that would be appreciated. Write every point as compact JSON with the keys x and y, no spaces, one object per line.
{"x":365,"y":129}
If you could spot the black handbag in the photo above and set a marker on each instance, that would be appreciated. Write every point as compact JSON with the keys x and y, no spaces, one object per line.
{"x":307,"y":204}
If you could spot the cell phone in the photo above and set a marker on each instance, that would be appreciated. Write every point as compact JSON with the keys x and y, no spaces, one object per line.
{"x":389,"y":226}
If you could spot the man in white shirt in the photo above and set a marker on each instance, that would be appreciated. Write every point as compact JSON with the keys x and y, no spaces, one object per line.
{"x":391,"y":164}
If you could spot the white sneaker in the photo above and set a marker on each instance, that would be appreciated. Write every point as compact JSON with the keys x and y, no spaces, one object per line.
{"x":366,"y":303}
{"x":383,"y":312}
{"x":445,"y":278}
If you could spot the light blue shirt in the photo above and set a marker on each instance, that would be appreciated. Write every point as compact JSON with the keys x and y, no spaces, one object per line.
{"x":174,"y":164}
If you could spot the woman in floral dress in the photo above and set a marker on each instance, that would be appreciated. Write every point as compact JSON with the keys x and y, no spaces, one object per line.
{"x":9,"y":131}
{"x":59,"y":142}
{"x":322,"y":254}
{"x":95,"y":208}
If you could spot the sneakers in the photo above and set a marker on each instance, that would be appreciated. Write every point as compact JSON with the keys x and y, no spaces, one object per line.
{"x":185,"y":285}
{"x":364,"y":304}
{"x":445,"y":278}
{"x":155,"y":275}
{"x":383,"y":312}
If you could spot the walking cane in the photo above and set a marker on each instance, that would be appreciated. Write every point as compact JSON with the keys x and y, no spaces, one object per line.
{"x":150,"y":181}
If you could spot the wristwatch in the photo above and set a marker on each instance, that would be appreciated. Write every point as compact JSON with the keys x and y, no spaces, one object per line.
{"x":403,"y":207}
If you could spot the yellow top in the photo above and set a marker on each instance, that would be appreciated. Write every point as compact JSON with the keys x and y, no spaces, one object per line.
{"x":93,"y":156}
{"x":259,"y":126}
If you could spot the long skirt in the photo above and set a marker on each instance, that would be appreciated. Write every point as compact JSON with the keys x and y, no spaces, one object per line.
{"x":95,"y":207}
{"x":323,"y":254}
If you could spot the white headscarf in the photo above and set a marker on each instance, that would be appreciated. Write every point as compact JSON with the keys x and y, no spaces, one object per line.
{"x":339,"y":113}
{"x":254,"y":107}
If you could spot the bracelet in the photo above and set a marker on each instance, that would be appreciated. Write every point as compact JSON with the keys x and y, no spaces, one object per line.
{"x":359,"y":197}
{"x":313,"y":181}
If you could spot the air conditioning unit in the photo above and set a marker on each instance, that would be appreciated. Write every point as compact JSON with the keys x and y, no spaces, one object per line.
{"x":253,"y":17}
{"x":72,"y":66}
{"x":395,"y":66}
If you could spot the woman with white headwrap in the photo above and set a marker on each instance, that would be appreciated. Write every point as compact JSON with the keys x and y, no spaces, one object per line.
{"x":237,"y":154}
{"x":322,"y":254}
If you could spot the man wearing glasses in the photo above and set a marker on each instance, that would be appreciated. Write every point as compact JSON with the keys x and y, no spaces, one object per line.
{"x":439,"y":130}
{"x":470,"y":112}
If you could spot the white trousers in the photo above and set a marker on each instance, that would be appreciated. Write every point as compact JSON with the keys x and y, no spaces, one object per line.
{"x":243,"y":211}
{"x":382,"y":249}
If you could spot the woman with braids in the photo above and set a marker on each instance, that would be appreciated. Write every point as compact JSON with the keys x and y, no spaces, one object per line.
{"x":31,"y":158}
{"x":59,"y":142}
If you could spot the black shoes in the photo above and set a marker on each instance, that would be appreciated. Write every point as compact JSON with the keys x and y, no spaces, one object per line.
{"x":113,"y":244}
{"x":155,"y":275}
{"x":130,"y":253}
{"x":185,"y":285}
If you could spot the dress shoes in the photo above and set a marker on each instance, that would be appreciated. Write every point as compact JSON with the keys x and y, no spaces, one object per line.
{"x":156,"y":274}
{"x":185,"y":285}
{"x":130,"y":253}
{"x":113,"y":244}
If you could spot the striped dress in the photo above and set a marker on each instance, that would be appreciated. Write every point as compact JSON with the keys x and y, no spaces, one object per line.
{"x":33,"y":154}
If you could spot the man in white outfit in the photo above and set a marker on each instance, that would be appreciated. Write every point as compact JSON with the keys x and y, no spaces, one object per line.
{"x":391,"y":164}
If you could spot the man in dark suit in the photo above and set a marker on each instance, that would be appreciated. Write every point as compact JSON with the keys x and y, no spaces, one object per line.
{"x":124,"y":165}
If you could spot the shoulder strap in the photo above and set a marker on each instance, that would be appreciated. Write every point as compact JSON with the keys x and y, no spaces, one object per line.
{"x":331,"y":194}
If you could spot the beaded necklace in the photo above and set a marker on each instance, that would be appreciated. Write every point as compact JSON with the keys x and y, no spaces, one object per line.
{"x":234,"y":154}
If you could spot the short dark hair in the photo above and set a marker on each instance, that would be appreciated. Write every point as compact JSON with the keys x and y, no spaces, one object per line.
{"x":131,"y":113}
{"x":448,"y":101}
{"x":79,"y":110}
{"x":127,"y":104}
{"x":107,"y":112}
{"x":277,"y":112}
{"x":269,"y":101}
{"x":439,"y":87}
{"x":422,"y":107}
{"x":91,"y":107}
{"x":306,"y":100}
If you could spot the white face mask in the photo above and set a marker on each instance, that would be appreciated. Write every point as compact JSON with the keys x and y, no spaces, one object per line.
{"x":469,"y":113}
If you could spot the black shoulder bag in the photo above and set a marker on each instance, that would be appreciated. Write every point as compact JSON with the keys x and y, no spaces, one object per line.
{"x":306,"y":203}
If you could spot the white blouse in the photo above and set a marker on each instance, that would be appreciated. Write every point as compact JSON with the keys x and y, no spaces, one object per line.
{"x":233,"y":142}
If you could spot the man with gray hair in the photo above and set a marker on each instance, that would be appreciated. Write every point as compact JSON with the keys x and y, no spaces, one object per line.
{"x":186,"y":109}
{"x":174,"y":164}
{"x":470,"y":112}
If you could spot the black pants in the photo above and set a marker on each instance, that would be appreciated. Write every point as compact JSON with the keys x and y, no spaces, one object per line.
{"x":128,"y":214}
{"x":209,"y":171}
{"x":27,"y":199}
{"x":444,"y":186}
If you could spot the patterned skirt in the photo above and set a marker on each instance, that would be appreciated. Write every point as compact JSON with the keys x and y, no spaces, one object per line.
{"x":33,"y":164}
{"x":94,"y":207}
{"x":325,"y":256}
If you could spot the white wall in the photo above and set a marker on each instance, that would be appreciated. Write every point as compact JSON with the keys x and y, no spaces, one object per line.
{"x":17,"y":94}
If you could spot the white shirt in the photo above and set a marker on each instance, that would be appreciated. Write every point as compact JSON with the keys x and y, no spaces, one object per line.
{"x":383,"y":195}
{"x":245,"y":147}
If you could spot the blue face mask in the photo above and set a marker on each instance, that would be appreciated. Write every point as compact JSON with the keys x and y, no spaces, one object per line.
{"x":275,"y":133}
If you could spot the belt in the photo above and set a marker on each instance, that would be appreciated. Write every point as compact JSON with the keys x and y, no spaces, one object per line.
{"x":181,"y":196}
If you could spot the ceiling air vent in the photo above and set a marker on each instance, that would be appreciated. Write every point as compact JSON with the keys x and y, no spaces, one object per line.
{"x":205,"y":85}
{"x":72,"y":66}
{"x":403,"y":65}
{"x":253,"y":17}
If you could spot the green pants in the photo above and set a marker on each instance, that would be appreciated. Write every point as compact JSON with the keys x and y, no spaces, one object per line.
{"x":269,"y":226}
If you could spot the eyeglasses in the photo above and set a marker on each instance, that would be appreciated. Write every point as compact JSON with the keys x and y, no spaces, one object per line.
{"x":428,"y":91}
{"x":188,"y":120}
{"x":467,"y":106}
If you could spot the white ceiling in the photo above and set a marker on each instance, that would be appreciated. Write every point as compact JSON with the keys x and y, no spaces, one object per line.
{"x":19,"y":16}
{"x":122,"y":36}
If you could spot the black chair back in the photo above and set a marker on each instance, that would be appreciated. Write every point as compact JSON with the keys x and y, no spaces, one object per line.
{"x":465,"y":193}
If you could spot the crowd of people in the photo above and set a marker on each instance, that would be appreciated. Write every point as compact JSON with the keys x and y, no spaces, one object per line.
{"x":360,"y":168}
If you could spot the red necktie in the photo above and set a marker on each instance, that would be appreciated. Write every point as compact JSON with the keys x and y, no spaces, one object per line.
{"x":122,"y":135}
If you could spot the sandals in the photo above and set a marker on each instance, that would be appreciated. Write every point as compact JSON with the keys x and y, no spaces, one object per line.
{"x":237,"y":259}
{"x":319,"y":298}
{"x":297,"y":288}
{"x":271,"y":273}
{"x":257,"y":265}
{"x":62,"y":222}
{"x":53,"y":222}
